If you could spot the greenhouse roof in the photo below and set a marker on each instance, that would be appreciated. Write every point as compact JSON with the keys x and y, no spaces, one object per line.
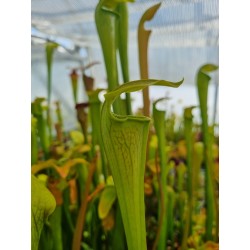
{"x":185,"y":35}
{"x":186,"y":23}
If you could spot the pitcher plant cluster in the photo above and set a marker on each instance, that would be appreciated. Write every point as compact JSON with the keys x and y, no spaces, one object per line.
{"x":147,"y":180}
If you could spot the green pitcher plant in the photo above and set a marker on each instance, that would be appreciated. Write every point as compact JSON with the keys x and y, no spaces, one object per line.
{"x":59,"y":114}
{"x":59,"y":122}
{"x":37,"y":111}
{"x":171,"y":202}
{"x":188,"y":126}
{"x":95,"y":112}
{"x":74,"y":83}
{"x":181,"y":195}
{"x":159,"y":124}
{"x":122,"y":30}
{"x":107,"y":14}
{"x":42,"y":206}
{"x":202,"y":86}
{"x":125,"y":140}
{"x":143,"y":38}
{"x":82,"y":118}
{"x":50,"y":47}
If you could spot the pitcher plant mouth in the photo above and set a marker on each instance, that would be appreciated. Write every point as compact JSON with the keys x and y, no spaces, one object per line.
{"x":123,"y":118}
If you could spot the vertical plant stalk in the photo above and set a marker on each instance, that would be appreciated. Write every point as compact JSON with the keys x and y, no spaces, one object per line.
{"x":82,"y":118}
{"x":198,"y":157}
{"x":59,"y":124}
{"x":106,"y":21}
{"x":182,"y":195}
{"x":74,"y":83}
{"x":82,"y":115}
{"x":65,"y":207}
{"x":59,"y":114}
{"x":125,"y":140}
{"x":119,"y":234}
{"x":95,"y":112}
{"x":37,"y":112}
{"x":143,"y":37}
{"x":82,"y":172}
{"x":88,"y":82}
{"x":202,"y":87}
{"x":170,"y":124}
{"x":170,"y":213}
{"x":34,"y":142}
{"x":159,"y":124}
{"x":56,"y":228}
{"x":55,"y":219}
{"x":216,"y":198}
{"x":122,"y":30}
{"x":59,"y":132}
{"x":217,"y":221}
{"x":162,"y":209}
{"x":50,"y":47}
{"x":188,"y":126}
{"x":215,"y":102}
{"x":76,"y":245}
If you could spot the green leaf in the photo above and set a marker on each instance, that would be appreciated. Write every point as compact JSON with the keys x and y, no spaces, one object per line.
{"x":34,"y":141}
{"x":107,"y":199}
{"x":63,"y":170}
{"x":77,"y":137}
{"x":125,"y":140}
{"x":138,"y":85}
{"x":42,"y":205}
